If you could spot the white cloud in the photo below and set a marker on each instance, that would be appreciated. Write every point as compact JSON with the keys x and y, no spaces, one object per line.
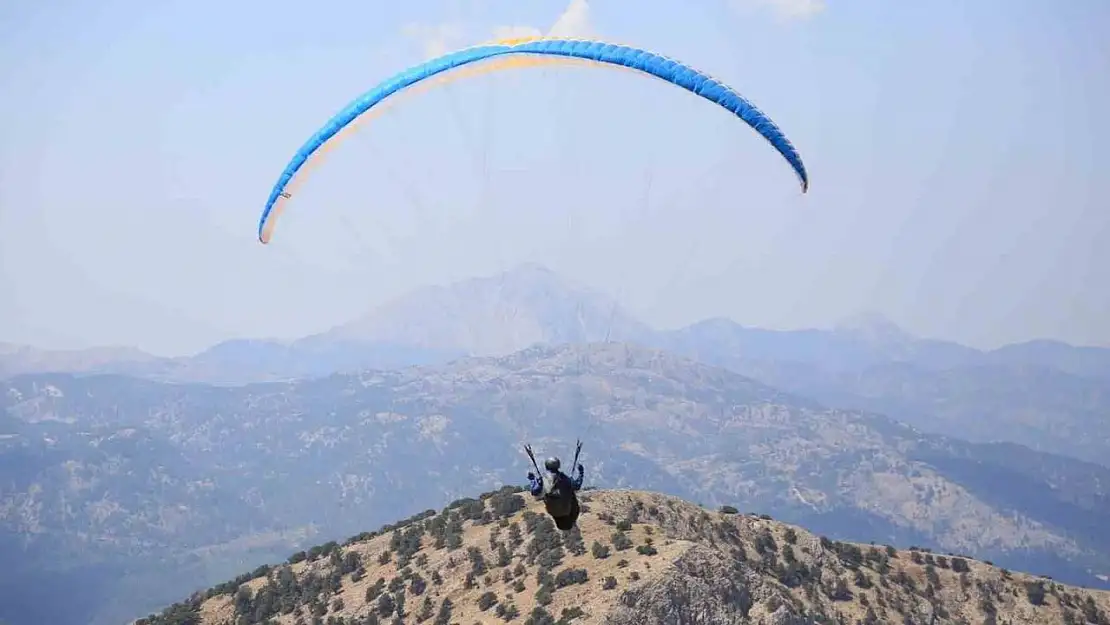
{"x":438,"y":39}
{"x":514,"y":32}
{"x":435,"y":39}
{"x":574,"y":21}
{"x":787,"y":9}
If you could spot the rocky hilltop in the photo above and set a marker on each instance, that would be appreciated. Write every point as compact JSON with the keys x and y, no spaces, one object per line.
{"x":636,"y":558}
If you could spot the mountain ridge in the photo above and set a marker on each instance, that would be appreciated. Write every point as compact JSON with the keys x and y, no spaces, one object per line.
{"x":551,"y":310}
{"x":1042,"y":394}
{"x":635,"y":557}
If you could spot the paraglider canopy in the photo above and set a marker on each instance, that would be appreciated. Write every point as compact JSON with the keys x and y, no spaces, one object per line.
{"x":600,"y":53}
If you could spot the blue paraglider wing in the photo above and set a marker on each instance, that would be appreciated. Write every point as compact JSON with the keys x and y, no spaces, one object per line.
{"x":629,"y":57}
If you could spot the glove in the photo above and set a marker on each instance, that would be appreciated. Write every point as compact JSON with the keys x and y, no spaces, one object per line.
{"x":581,"y":469}
{"x":531,"y":476}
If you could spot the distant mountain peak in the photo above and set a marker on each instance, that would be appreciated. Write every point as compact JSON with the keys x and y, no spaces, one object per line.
{"x":532,"y":269}
{"x":875,"y":326}
{"x":497,"y":314}
{"x":529,"y":275}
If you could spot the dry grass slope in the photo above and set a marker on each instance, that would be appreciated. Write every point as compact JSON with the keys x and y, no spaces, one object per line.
{"x":637,"y":558}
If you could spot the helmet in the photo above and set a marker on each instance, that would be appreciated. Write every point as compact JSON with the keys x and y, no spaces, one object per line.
{"x":552,"y":464}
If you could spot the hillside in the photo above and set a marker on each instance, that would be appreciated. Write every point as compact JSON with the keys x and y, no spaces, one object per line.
{"x":149,"y":487}
{"x":1036,"y":406}
{"x":636,"y":558}
{"x":20,"y":359}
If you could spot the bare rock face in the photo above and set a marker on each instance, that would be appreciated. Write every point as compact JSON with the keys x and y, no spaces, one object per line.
{"x":708,"y":587}
{"x":704,"y":587}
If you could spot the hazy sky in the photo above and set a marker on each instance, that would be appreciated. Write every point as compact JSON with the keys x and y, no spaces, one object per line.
{"x":956,"y":152}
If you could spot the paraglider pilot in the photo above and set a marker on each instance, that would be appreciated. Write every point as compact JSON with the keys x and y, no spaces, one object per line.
{"x":559,"y":492}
